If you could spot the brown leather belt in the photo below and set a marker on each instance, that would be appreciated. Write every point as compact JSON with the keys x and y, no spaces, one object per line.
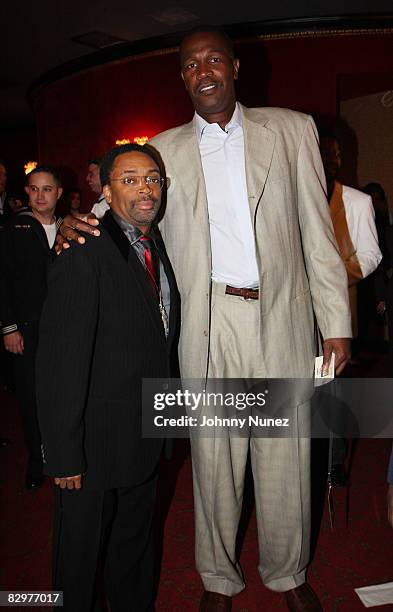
{"x":244,"y":292}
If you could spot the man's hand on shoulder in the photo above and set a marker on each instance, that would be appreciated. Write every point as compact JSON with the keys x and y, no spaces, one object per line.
{"x":341,"y":347}
{"x":69,"y":482}
{"x":13,"y":343}
{"x":72,"y":226}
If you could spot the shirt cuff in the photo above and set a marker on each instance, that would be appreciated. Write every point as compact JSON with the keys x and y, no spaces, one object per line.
{"x":9,"y":329}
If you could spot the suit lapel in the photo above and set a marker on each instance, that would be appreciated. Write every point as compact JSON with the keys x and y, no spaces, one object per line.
{"x":135,"y":267}
{"x":189,"y":174}
{"x":188,"y":164}
{"x":117,"y":234}
{"x":259,"y":143}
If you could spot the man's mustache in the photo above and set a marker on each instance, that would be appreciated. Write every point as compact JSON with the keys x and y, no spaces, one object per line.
{"x":147,"y":199}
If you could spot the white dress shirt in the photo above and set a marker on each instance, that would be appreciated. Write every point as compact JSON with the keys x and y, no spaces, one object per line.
{"x":232,"y":238}
{"x":360,"y":215}
{"x":99,"y":209}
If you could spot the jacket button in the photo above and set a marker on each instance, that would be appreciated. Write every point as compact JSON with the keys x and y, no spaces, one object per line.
{"x":205,"y":333}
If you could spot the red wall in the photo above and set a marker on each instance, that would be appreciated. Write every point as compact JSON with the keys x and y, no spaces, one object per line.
{"x":82,"y":116}
{"x":17,"y":146}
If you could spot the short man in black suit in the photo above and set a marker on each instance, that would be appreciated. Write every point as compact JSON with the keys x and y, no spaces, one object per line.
{"x":26,"y":242}
{"x":109,"y":321}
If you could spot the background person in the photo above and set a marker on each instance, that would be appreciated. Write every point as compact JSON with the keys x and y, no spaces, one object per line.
{"x":74,"y":201}
{"x":26,"y":243}
{"x":93,"y":179}
{"x":353,"y":219}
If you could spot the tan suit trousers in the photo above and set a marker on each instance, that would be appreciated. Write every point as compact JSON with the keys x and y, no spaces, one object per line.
{"x":280,"y":467}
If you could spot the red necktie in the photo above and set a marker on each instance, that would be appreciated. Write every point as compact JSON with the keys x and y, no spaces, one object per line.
{"x":149,"y":264}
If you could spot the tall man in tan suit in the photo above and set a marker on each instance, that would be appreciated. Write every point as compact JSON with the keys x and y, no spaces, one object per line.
{"x":249,"y":235}
{"x":247,"y":187}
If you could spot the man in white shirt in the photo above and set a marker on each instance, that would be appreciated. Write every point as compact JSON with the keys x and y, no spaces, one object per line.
{"x":26,"y":242}
{"x":93,"y":179}
{"x":246,"y":208}
{"x":353,"y":218}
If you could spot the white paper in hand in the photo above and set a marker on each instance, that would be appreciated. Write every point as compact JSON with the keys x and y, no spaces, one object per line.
{"x":322,"y":377}
{"x":376,"y":595}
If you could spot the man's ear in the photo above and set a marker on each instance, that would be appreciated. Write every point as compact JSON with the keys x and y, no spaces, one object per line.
{"x":27,"y":189}
{"x":107,"y":193}
{"x":236,"y":66}
{"x":59,"y":192}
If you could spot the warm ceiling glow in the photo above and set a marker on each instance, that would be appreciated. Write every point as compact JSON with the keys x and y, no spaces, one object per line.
{"x":141,"y":140}
{"x":29,"y":166}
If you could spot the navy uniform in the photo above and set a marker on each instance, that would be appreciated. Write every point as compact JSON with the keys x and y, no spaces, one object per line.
{"x":24,"y":257}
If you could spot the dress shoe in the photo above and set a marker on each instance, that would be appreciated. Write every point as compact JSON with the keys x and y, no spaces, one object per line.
{"x":338,"y":476}
{"x":215,"y":602}
{"x":303,"y":599}
{"x":4,"y":442}
{"x":33,"y":482}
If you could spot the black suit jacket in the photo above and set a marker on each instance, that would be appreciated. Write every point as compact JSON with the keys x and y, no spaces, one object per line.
{"x":24,"y":258}
{"x":100,"y":334}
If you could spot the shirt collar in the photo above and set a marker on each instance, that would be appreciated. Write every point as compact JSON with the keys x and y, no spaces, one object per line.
{"x":235,"y":122}
{"x":133,"y":233}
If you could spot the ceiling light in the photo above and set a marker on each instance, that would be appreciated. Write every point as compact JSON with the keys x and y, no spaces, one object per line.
{"x":175,"y":15}
{"x":30,"y":166}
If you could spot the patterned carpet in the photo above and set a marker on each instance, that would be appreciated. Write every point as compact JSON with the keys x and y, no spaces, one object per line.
{"x":356,"y":555}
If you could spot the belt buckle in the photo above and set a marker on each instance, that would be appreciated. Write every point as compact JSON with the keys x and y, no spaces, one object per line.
{"x":246,"y":294}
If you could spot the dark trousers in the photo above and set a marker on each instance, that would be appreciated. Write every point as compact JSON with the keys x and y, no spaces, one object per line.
{"x":6,"y":373}
{"x":108,"y":528}
{"x":24,"y":374}
{"x":337,"y":421}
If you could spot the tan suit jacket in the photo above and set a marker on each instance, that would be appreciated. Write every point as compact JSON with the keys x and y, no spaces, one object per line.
{"x":301,"y":272}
